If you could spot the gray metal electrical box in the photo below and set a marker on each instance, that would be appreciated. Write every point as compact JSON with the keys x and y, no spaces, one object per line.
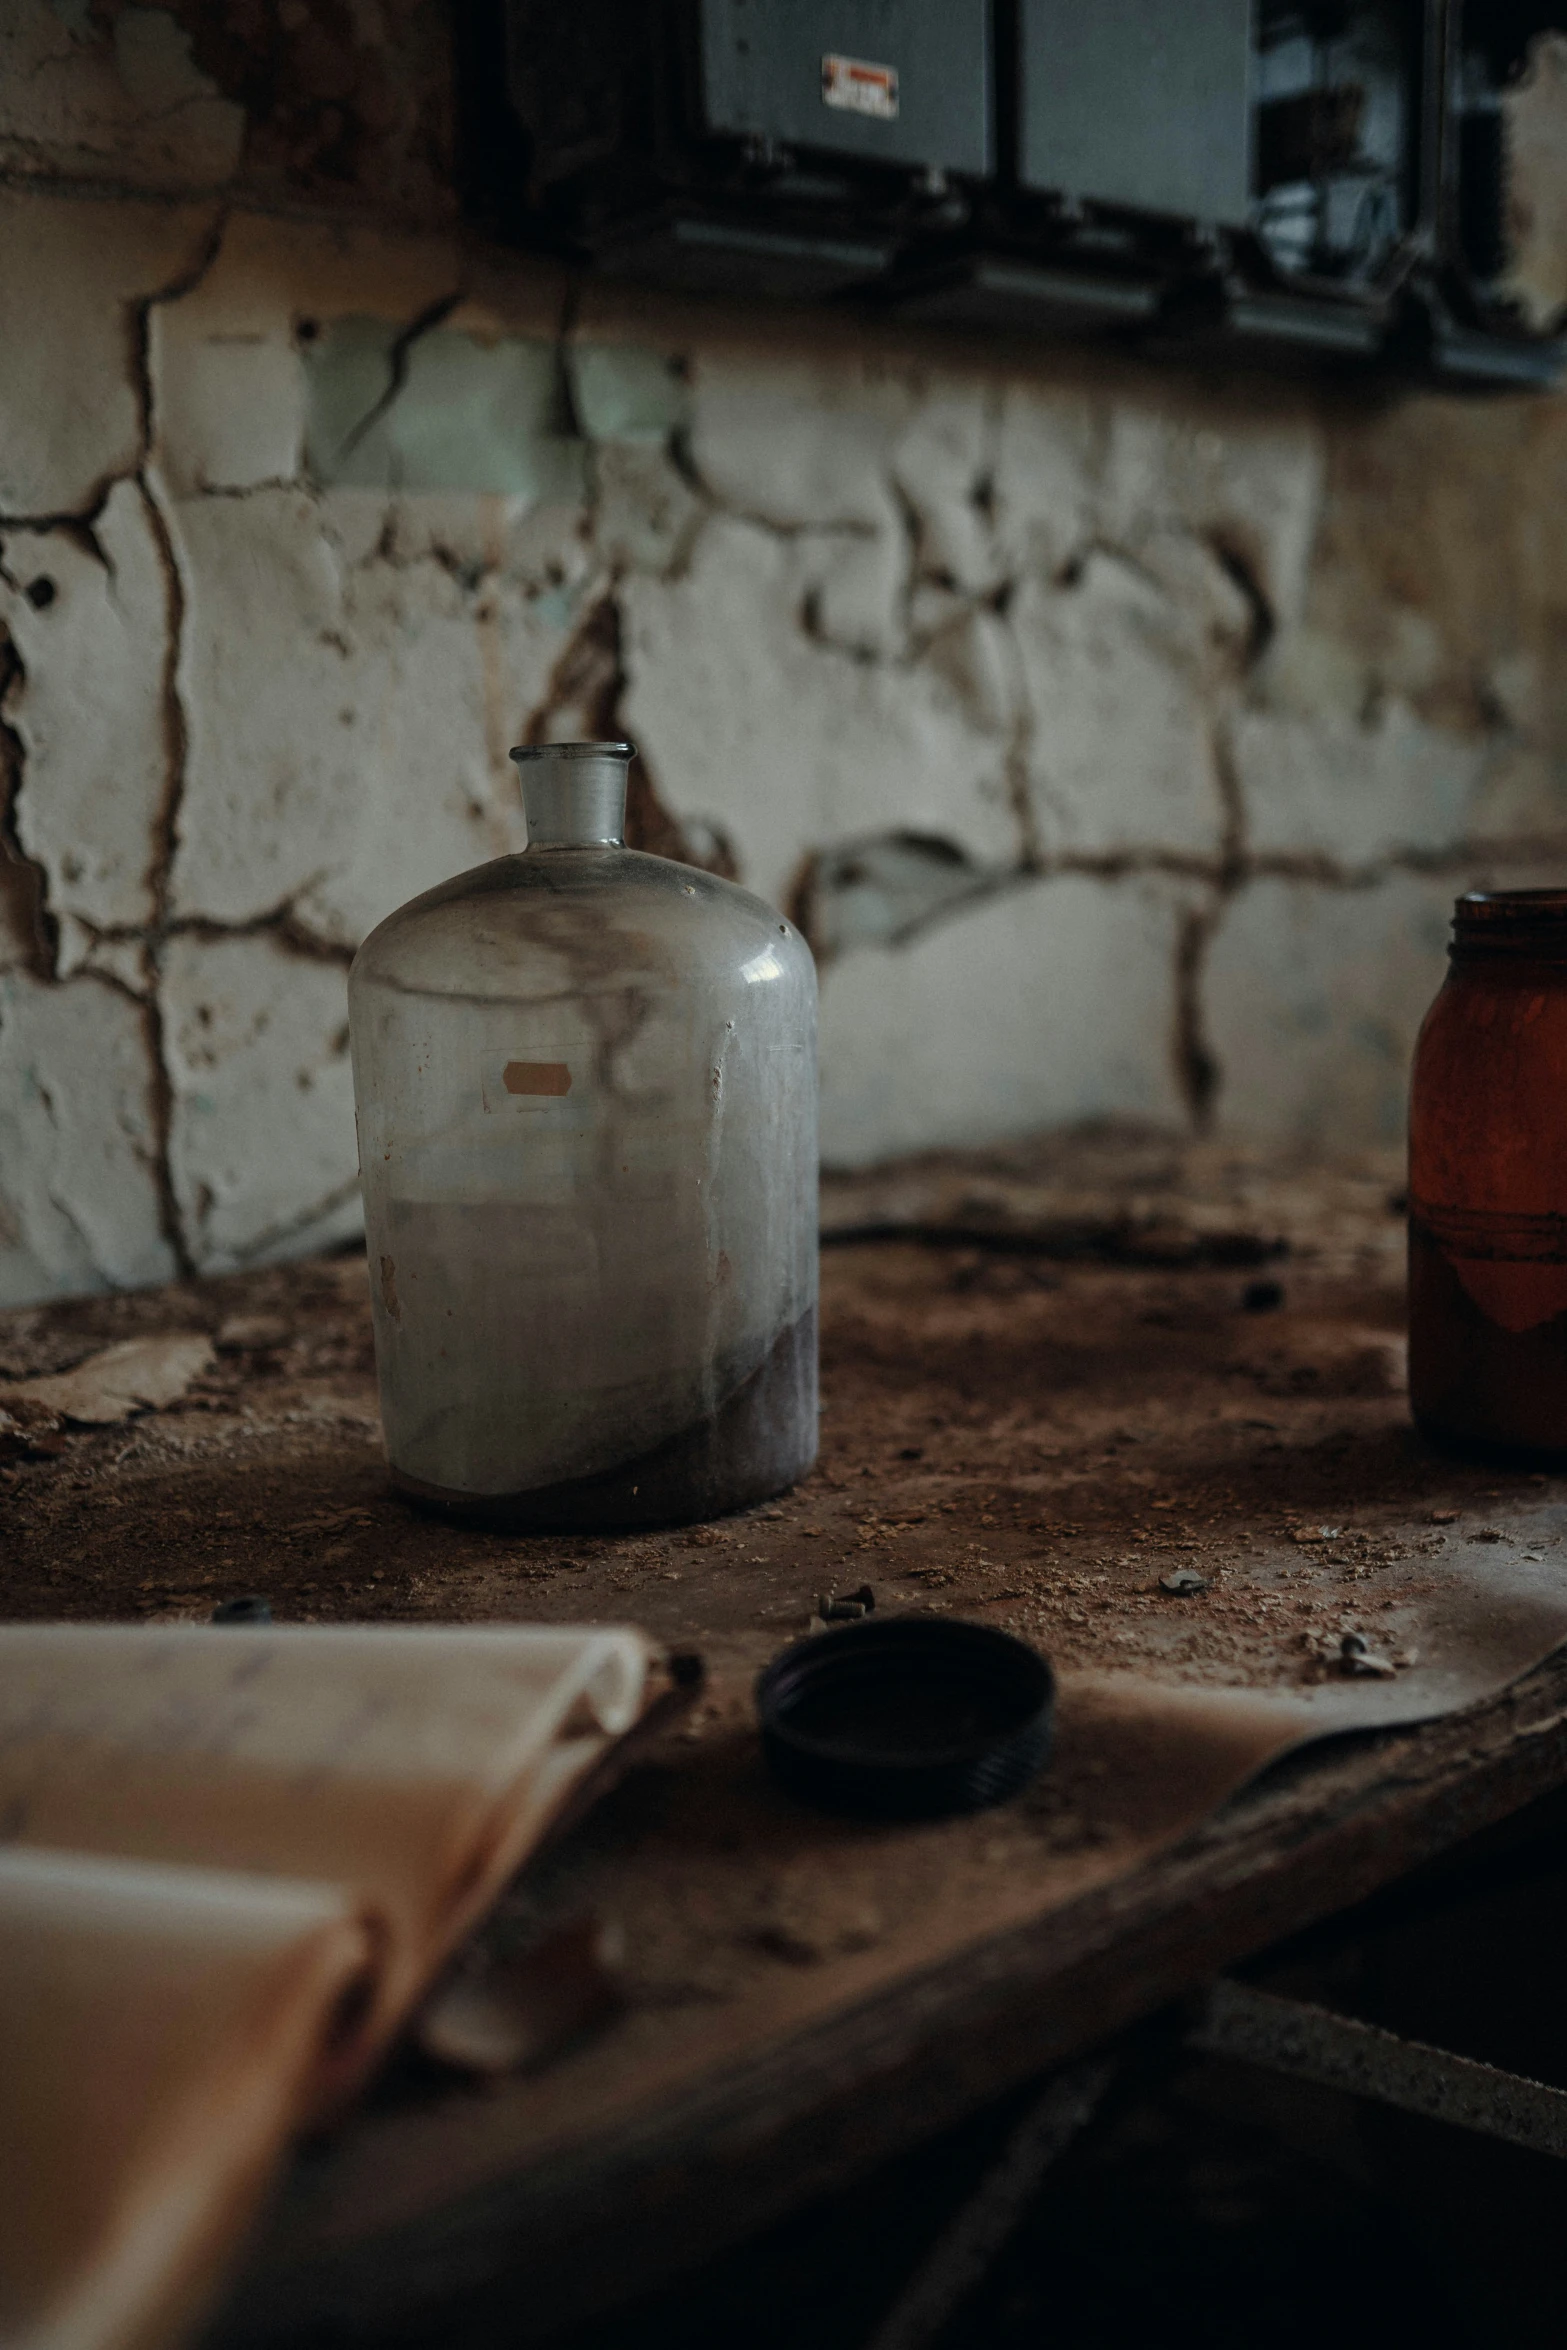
{"x":1139,"y":102}
{"x":896,"y":81}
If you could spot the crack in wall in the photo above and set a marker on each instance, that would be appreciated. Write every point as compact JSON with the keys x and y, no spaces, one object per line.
{"x":678,"y":449}
{"x":586,"y":694}
{"x":1239,"y":568}
{"x":80,"y":529}
{"x":73,"y":1223}
{"x":428,"y":319}
{"x":283,"y":923}
{"x":235,"y":493}
{"x":588,"y":684}
{"x":956,"y":886}
{"x":1198,"y":1074}
{"x":1018,"y":759}
{"x":915,"y":570}
{"x":176,"y":736}
{"x":23,"y":881}
{"x":1233,"y":828}
{"x":25,"y":877}
{"x":280,"y":1235}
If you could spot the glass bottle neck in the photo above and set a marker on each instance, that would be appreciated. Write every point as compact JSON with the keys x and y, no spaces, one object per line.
{"x":574,"y":795}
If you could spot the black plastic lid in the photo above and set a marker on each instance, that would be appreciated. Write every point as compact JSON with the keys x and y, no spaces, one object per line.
{"x":907,"y":1719}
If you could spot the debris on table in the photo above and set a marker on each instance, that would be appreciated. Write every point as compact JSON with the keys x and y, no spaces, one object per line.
{"x":140,"y":1374}
{"x":29,"y":1432}
{"x":1362,"y":1662}
{"x":1038,"y":1459}
{"x":253,"y":1333}
{"x":847,"y":1610}
{"x":1123,"y":1195}
{"x":250,"y":1609}
{"x":503,"y":2012}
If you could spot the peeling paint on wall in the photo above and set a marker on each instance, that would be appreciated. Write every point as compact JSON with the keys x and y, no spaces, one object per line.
{"x":127,"y":102}
{"x":1534,"y":112}
{"x":1117,"y":737}
{"x":884,"y":890}
{"x":439,"y":410}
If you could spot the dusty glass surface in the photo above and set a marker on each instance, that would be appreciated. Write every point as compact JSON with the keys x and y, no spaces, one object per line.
{"x":586,"y":1090}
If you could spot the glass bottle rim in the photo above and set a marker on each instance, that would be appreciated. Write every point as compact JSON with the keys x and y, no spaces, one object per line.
{"x":526,"y":751}
{"x":1530,"y":923}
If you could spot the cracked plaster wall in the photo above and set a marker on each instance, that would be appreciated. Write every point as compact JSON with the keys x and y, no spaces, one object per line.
{"x":1119,"y":737}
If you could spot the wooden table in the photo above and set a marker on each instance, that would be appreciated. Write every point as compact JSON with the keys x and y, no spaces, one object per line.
{"x":1031,"y":1383}
{"x":556,"y":2238}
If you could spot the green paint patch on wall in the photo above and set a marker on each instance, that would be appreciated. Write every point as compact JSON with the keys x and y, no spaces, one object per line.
{"x":459,"y":413}
{"x":625,"y":393}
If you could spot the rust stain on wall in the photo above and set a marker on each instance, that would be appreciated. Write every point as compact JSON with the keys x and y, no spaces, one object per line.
{"x":340,"y":100}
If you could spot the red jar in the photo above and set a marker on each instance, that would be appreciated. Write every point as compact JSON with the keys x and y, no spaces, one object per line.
{"x":1488,"y":1182}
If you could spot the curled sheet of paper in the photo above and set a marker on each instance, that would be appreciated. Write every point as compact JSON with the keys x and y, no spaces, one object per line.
{"x":158,"y":2035}
{"x":137,"y":1375}
{"x":233,"y":1860}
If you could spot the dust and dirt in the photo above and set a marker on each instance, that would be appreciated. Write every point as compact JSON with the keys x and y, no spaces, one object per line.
{"x":1177,"y":1469}
{"x":1036,"y":1439}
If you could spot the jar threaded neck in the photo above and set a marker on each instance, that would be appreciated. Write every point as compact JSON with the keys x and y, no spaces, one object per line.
{"x":1530,"y":924}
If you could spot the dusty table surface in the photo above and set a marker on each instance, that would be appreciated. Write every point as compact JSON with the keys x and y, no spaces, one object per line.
{"x":1059,"y":1367}
{"x":1097,"y":1362}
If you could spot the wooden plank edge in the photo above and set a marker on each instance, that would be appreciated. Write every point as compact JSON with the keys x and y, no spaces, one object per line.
{"x":580,"y":2231}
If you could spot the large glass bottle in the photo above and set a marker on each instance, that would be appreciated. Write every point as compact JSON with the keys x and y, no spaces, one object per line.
{"x":586,"y":1090}
{"x":1488,"y":1181}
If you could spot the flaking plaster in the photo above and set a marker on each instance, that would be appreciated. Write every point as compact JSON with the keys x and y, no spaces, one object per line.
{"x":1119,"y":735}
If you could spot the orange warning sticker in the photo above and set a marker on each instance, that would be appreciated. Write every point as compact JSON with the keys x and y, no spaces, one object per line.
{"x":856,"y":87}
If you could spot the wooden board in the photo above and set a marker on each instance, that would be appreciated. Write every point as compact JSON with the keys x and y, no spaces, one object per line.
{"x":742,"y":2142}
{"x":1081,"y":1381}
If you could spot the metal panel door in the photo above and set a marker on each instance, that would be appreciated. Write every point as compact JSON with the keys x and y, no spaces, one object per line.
{"x":1139,"y":102}
{"x":898,"y":81}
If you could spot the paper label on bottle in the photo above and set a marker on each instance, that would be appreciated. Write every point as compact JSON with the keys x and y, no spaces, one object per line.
{"x":528,"y":1084}
{"x":854,"y":86}
{"x":536,"y":1077}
